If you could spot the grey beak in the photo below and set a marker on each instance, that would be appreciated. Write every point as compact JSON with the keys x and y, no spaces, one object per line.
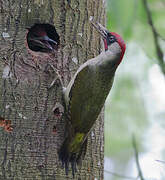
{"x":101,"y":29}
{"x":46,"y":38}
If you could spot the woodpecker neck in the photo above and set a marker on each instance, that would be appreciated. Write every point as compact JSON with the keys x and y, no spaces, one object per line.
{"x":110,"y":57}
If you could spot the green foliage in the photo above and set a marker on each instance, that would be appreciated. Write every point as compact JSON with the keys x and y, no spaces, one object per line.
{"x":129,"y":18}
{"x":121,"y":15}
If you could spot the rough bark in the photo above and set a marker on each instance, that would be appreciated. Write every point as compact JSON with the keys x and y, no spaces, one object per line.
{"x":30,"y":150}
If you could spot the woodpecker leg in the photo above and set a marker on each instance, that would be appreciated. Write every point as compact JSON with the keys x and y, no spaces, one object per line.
{"x":57,"y":77}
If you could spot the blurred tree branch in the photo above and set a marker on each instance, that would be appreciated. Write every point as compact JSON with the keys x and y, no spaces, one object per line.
{"x":156,"y":35}
{"x":140,"y":175}
{"x":160,"y":161}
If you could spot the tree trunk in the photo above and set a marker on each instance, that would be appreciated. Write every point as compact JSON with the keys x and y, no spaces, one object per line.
{"x":28,"y":96}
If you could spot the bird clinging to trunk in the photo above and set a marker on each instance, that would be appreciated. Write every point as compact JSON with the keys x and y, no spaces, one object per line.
{"x":86,"y":93}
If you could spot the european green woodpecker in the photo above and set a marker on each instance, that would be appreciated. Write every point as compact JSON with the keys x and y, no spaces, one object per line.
{"x":86,"y":93}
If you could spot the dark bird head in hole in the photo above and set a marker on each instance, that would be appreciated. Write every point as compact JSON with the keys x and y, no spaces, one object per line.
{"x":43,"y":38}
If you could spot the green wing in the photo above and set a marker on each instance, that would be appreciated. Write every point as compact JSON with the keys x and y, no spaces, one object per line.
{"x":79,"y":96}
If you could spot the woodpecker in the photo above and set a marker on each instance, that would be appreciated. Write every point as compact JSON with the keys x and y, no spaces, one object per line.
{"x":86,"y":93}
{"x":42,"y":38}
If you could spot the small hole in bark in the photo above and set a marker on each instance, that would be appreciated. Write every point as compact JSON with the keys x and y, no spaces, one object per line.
{"x":54,"y":129}
{"x":43,"y":38}
{"x":57,"y":112}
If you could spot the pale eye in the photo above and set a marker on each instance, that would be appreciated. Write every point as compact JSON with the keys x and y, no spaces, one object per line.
{"x":112,"y":39}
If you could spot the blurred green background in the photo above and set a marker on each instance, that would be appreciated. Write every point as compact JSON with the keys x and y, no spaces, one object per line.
{"x":136,"y":104}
